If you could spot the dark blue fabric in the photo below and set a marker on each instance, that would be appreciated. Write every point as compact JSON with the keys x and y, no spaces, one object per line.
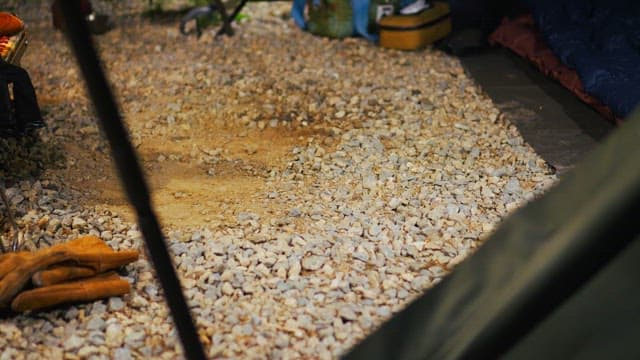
{"x":600,"y":39}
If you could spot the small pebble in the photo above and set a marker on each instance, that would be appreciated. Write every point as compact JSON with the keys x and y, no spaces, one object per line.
{"x":116,"y":304}
{"x":313,"y":262}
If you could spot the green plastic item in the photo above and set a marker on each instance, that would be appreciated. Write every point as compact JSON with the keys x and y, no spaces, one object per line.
{"x":331,"y":18}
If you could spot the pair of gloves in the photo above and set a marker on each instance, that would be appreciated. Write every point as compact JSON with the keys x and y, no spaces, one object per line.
{"x":10,"y":24}
{"x":79,"y":270}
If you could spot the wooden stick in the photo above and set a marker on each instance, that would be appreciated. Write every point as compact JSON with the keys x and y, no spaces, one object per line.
{"x":99,"y":287}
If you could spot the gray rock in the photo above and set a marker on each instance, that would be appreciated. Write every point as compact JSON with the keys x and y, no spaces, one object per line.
{"x":116,"y":304}
{"x":247,"y":216}
{"x":295,"y":212}
{"x":78,"y":223}
{"x":227,"y":289}
{"x":86,"y":351}
{"x":249,"y":288}
{"x":114,"y":335}
{"x":513,"y":186}
{"x":313,"y":262}
{"x":135,"y":338}
{"x":361,"y":255}
{"x":72,"y":313}
{"x":282,"y":341}
{"x":151,"y":290}
{"x":383,"y":311}
{"x":179,"y":248}
{"x":394,"y":203}
{"x":121,"y":354}
{"x":95,"y":323}
{"x":369,"y":182}
{"x":73,"y":343}
{"x":96,"y":338}
{"x":258,"y":238}
{"x":347,"y":313}
{"x":98,"y":308}
{"x":420,"y":283}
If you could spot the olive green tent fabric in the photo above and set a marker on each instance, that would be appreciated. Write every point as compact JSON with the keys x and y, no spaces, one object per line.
{"x":601,"y":321}
{"x":543,"y":256}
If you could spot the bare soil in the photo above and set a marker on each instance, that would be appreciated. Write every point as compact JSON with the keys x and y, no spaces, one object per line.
{"x":188,"y":194}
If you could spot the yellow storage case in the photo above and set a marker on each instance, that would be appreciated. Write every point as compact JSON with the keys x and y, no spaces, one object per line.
{"x":411,"y":32}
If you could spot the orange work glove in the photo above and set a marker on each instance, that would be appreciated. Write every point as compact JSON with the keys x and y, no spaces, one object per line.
{"x":16,"y":269}
{"x":94,"y":288}
{"x":97,"y":257}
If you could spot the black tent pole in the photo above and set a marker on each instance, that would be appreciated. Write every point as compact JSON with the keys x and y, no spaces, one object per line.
{"x":131,"y":175}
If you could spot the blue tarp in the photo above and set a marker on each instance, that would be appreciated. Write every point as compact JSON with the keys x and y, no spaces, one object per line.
{"x":600,"y":39}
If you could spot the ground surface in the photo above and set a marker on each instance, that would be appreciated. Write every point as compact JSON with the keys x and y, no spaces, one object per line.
{"x":309,"y":188}
{"x":559,"y":127}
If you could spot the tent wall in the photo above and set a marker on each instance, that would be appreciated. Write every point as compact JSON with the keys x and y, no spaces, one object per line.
{"x":601,"y":321}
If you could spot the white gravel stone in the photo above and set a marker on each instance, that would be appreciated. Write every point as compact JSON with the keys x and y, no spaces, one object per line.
{"x":116,"y":304}
{"x":86,"y":351}
{"x":122,"y":354}
{"x":95,"y":323}
{"x":227,"y":289}
{"x":347,"y":313}
{"x":73,"y":343}
{"x":394,"y":203}
{"x":78,"y":223}
{"x":313,"y":262}
{"x":114,"y":335}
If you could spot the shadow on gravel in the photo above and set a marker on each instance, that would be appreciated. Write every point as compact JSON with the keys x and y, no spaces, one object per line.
{"x":25,"y":158}
{"x":159,"y":16}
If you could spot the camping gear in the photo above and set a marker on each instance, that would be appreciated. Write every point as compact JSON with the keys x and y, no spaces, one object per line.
{"x":411,"y":32}
{"x":10,"y":24}
{"x":326,"y":17}
{"x":13,"y":47}
{"x":415,"y":7}
{"x":522,"y":36}
{"x":195,"y":15}
{"x":57,"y":265}
{"x":222,"y":7}
{"x":331,"y":17}
{"x":601,"y":41}
{"x":19,"y":111}
{"x":13,"y":38}
{"x":379,"y":9}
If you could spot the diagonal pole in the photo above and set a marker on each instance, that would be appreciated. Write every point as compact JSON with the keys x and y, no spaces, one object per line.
{"x":225,"y":28}
{"x":131,"y":175}
{"x":228,"y":19}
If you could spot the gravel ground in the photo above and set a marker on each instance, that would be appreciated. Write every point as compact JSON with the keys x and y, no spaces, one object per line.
{"x":412,"y":168}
